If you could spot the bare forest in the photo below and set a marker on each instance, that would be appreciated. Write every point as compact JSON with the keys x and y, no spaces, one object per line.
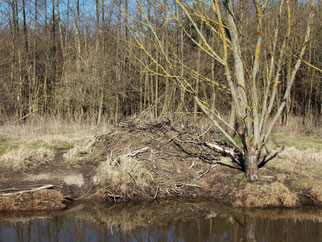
{"x":80,"y":58}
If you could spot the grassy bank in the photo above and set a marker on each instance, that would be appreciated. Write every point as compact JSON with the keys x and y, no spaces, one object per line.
{"x":156,"y":160}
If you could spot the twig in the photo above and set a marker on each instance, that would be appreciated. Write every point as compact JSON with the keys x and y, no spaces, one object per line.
{"x":192,"y":164}
{"x":92,"y":142}
{"x":148,"y":108}
{"x":136,"y":152}
{"x":156,"y":193}
{"x":83,"y":195}
{"x":200,"y":156}
{"x":192,"y":185}
{"x":212,"y":166}
{"x":132,"y":177}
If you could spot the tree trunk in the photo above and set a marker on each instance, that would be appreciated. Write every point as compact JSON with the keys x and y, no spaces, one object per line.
{"x":251,"y":164}
{"x":233,"y":121}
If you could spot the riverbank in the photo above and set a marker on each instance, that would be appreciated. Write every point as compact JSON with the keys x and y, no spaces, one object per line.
{"x":45,"y":167}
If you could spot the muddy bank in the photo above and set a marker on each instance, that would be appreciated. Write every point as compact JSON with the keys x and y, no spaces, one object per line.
{"x":153,"y":161}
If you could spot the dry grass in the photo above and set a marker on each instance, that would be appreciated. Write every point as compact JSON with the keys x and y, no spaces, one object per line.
{"x":34,"y":143}
{"x":124,"y":173}
{"x":316,"y":193}
{"x":295,"y":133}
{"x":268,"y":195}
{"x":79,"y":150}
{"x":300,"y":141}
{"x":296,"y":126}
{"x":296,"y":174}
{"x":51,"y":132}
{"x":301,"y":170}
{"x":304,"y":163}
{"x":25,"y":158}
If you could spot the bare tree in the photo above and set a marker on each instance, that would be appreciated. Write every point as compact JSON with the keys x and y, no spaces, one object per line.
{"x":253,"y":88}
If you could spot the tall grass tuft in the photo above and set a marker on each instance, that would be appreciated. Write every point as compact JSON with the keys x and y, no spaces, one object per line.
{"x":124,"y":174}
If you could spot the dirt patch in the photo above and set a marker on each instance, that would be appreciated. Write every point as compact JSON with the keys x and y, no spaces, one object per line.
{"x":69,"y":177}
{"x":153,"y":161}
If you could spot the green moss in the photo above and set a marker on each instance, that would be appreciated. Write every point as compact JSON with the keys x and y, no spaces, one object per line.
{"x":7,"y":145}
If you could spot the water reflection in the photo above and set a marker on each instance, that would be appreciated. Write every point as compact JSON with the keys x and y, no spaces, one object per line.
{"x":162,"y":221}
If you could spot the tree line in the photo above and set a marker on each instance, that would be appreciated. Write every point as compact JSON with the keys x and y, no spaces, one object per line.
{"x":82,"y":58}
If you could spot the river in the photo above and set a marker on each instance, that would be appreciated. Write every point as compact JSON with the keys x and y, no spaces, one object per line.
{"x":178,"y":220}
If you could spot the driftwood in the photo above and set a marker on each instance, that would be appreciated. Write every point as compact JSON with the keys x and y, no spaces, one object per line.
{"x":24,"y":190}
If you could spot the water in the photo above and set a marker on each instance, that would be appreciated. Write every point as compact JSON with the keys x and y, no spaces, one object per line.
{"x":163,"y":221}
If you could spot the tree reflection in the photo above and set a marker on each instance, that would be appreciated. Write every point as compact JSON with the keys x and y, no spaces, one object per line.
{"x":163,"y":221}
{"x":249,"y":229}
